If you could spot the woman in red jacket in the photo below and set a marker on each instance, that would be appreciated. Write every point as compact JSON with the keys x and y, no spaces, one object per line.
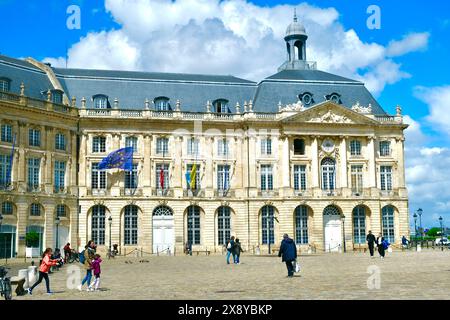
{"x":44,"y":268}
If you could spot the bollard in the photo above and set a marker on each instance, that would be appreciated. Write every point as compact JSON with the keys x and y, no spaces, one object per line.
{"x":24,"y":273}
{"x":419,"y":248}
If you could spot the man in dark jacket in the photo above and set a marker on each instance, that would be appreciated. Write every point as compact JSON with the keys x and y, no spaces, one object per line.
{"x":371,"y":242}
{"x":288,"y":253}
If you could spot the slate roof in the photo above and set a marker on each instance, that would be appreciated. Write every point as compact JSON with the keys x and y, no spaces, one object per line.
{"x":131,"y":88}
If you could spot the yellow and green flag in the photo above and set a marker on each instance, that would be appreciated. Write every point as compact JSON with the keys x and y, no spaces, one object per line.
{"x":193,"y":176}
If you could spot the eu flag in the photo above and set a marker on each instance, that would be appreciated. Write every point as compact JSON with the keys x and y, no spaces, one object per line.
{"x":122,"y":159}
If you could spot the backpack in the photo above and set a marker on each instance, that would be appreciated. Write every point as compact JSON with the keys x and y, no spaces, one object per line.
{"x":229,"y":245}
{"x":81,"y":257}
{"x":385,"y":244}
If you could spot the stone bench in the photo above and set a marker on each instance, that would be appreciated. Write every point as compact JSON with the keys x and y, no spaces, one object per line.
{"x":19,"y":281}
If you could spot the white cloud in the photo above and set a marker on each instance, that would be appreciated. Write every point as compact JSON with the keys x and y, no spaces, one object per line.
{"x":233,"y":37}
{"x":409,"y":43}
{"x":438,"y":99}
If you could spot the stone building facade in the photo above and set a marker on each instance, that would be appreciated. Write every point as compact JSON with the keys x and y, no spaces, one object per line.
{"x":302,"y":152}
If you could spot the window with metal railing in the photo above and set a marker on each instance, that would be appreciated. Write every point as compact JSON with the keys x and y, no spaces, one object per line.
{"x":33,"y":173}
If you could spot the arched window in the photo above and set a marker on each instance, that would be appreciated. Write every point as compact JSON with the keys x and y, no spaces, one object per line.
{"x":98,"y":224}
{"x":334,"y":97}
{"x":359,"y":225}
{"x":162,"y":211}
{"x":131,"y":142}
{"x":221,"y":106}
{"x":5,"y":85}
{"x":131,"y":225}
{"x":267,"y":224}
{"x":7,"y":208}
{"x":61,"y":210}
{"x":301,"y":225}
{"x":38,"y":243}
{"x":100,"y":101}
{"x":162,"y":104}
{"x":299,"y":147}
{"x":331,"y":211}
{"x":328,"y":166}
{"x":35,"y":210}
{"x":306,"y":98}
{"x":388,"y":226}
{"x":193,"y":224}
{"x":223,"y":225}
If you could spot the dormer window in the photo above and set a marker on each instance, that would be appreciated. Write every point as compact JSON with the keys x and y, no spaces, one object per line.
{"x":57,"y":96}
{"x":100,"y":101}
{"x":334,"y":97}
{"x":221,"y":106}
{"x":162,"y":104}
{"x":306,"y":98}
{"x":5,"y":85}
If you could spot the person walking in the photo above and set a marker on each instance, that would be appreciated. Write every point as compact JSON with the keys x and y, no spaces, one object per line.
{"x":96,"y":268}
{"x":371,"y":243}
{"x":288,"y":253}
{"x":380,"y":245}
{"x":89,"y":253}
{"x":67,"y":252}
{"x":237,"y":251}
{"x":44,"y":269}
{"x":230,"y":249}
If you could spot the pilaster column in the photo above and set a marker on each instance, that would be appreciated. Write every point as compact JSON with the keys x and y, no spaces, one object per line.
{"x":400,"y":154}
{"x":177,"y":162}
{"x":372,"y":164}
{"x":285,"y":162}
{"x":82,"y":161}
{"x":343,"y":154}
{"x":315,"y":162}
{"x":146,"y":177}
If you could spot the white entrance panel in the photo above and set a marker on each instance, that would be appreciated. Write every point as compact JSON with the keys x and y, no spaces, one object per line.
{"x":163,"y":234}
{"x":63,"y":237}
{"x":333,"y":233}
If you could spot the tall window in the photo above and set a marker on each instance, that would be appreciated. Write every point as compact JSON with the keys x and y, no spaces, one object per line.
{"x":359,"y":225}
{"x":131,"y":142}
{"x":33,"y":173}
{"x":162,"y":146}
{"x":197,"y":175}
{"x":34,"y":138}
{"x":131,"y":177}
{"x":385,"y":148}
{"x":355,"y":148}
{"x":98,"y":177}
{"x":301,"y":225}
{"x":35,"y":210}
{"x":4,"y":85}
{"x":193,"y":147}
{"x":4,"y":170}
{"x":223,"y":225}
{"x":300,"y":177}
{"x":328,"y":174}
{"x":266,"y":177}
{"x":267,"y":225}
{"x":7,"y":208}
{"x":60,"y":141}
{"x":61,"y":210}
{"x":131,"y":225}
{"x":266,"y":147}
{"x":221,"y":106}
{"x":162,"y":176}
{"x":60,"y":172}
{"x":162,"y":104}
{"x":223,"y":177}
{"x":357,"y":178}
{"x":299,"y":147}
{"x":98,"y":224}
{"x":223,"y":148}
{"x":57,"y":96}
{"x":387,"y":214}
{"x":100,"y":102}
{"x":386,"y":178}
{"x":193,"y":224}
{"x":6,"y":134}
{"x":99,"y":144}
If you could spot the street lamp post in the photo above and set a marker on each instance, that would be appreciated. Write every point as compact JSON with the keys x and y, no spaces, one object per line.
{"x":110,"y":224}
{"x":57,"y":221}
{"x":442,"y":233}
{"x":419,"y":212}
{"x":343,"y":225}
{"x":415,"y":227}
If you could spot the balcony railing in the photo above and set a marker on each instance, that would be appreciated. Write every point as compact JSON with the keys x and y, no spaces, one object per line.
{"x":303,"y":193}
{"x":162,"y":192}
{"x":193,"y":193}
{"x":332,"y":193}
{"x":268,"y":193}
{"x":6,"y":186}
{"x":6,"y":96}
{"x":224,"y":193}
{"x":97,"y":192}
{"x":35,"y":188}
{"x":137,"y":192}
{"x":59,"y":190}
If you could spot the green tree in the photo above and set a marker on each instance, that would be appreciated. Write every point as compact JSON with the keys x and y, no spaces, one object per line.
{"x":434,"y":232}
{"x":32,"y":239}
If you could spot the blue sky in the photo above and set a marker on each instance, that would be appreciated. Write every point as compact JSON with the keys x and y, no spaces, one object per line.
{"x":420,"y":74}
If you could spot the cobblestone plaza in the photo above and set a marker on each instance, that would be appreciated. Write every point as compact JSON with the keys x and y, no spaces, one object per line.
{"x":403,"y":275}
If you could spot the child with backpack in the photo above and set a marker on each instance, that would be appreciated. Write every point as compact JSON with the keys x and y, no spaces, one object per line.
{"x":86,"y":258}
{"x":44,"y":269}
{"x":96,"y":268}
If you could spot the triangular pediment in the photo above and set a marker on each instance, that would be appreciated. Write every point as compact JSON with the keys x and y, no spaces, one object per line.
{"x":329,"y":112}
